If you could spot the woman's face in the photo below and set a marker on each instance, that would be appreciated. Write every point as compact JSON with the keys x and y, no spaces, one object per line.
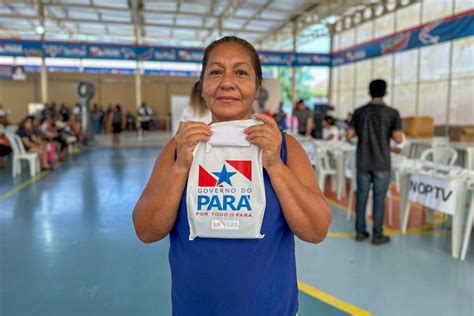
{"x":229,"y":86}
{"x":29,"y":124}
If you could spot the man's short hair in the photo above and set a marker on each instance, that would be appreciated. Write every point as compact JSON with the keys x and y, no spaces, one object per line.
{"x":378,"y":88}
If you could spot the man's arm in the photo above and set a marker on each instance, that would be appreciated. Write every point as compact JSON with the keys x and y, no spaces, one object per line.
{"x":350,"y":133}
{"x":397,"y":134}
{"x":309,"y":126}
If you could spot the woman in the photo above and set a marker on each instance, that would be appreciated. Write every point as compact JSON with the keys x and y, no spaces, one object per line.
{"x":234,"y":276}
{"x":5,"y":149}
{"x":117,"y":119}
{"x":32,"y":143}
{"x":197,"y":110}
{"x":53,"y":135}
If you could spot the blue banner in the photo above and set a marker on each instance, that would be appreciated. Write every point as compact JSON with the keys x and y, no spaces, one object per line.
{"x":428,"y":34}
{"x":142,"y":53}
{"x":461,"y":25}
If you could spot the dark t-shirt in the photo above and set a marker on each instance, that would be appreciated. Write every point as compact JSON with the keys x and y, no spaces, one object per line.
{"x":374,"y":124}
{"x":302,"y":116}
{"x":24,"y":133}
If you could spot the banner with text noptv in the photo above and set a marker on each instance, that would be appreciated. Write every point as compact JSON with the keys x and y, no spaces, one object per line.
{"x":434,"y":192}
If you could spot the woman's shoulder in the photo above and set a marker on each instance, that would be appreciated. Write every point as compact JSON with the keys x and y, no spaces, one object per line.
{"x":291,"y":143}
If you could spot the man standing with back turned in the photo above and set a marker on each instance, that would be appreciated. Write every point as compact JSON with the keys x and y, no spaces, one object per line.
{"x":374,"y":124}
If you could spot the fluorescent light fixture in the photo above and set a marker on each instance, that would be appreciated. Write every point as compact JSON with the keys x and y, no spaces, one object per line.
{"x":331,"y":19}
{"x":39,"y":30}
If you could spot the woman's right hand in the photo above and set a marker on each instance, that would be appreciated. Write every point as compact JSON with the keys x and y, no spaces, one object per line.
{"x":189,"y":134}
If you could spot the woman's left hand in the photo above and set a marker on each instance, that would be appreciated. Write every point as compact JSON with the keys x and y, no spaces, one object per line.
{"x":268,"y":137}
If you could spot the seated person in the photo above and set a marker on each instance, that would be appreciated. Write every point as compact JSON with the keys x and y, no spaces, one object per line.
{"x":330,"y":131}
{"x":5,"y":149}
{"x":51,"y":133}
{"x":30,"y":141}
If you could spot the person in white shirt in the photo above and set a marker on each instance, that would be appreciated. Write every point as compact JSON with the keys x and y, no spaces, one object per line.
{"x":144,"y":116}
{"x":197,"y":110}
{"x":330,"y":130}
{"x":77,"y":110}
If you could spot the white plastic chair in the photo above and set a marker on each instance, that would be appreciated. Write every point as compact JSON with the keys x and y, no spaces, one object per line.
{"x":442,"y":155}
{"x":19,"y":154}
{"x":309,"y":149}
{"x":11,"y":129}
{"x":353,"y":187}
{"x":323,"y":168}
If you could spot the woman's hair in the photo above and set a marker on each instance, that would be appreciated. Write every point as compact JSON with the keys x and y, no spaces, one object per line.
{"x":196,"y":101}
{"x":330,"y":120}
{"x":24,"y":121}
{"x":256,"y":63}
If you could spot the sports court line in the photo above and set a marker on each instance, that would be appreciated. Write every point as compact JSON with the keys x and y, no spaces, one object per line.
{"x":23,"y":185}
{"x":26,"y":183}
{"x":331,"y":300}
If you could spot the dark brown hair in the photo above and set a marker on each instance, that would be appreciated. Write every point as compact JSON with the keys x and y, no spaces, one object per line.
{"x":256,"y":63}
{"x":24,"y":121}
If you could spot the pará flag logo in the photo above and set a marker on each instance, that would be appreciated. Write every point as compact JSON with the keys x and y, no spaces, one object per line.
{"x":218,"y":178}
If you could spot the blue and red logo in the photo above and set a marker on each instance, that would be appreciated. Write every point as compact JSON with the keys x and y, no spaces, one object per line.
{"x":217,"y":179}
{"x":217,"y":193}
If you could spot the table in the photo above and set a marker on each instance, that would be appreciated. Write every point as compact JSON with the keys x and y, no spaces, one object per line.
{"x":462,"y":176}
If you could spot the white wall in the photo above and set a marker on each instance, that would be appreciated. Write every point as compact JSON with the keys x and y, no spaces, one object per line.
{"x":425,"y":81}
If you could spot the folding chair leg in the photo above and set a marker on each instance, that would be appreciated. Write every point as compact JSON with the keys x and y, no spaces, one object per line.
{"x":397,"y":181}
{"x":465,"y":243}
{"x":467,"y":234}
{"x":333,"y":183}
{"x":32,"y":165}
{"x":349,"y":204}
{"x":322,"y":181}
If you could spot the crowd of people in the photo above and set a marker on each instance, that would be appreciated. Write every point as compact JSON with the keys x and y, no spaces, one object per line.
{"x":48,"y":133}
{"x":315,"y":123}
{"x":51,"y":131}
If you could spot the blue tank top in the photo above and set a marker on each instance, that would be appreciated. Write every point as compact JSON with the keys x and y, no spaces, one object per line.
{"x":235,"y":277}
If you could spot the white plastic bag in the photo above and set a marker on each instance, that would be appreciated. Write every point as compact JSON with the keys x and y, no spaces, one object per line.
{"x":225,"y":191}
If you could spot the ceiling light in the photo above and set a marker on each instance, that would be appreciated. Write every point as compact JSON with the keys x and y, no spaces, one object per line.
{"x":39,"y":30}
{"x":331,"y":19}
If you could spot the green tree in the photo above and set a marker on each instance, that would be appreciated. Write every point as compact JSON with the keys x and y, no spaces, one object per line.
{"x":303,"y":83}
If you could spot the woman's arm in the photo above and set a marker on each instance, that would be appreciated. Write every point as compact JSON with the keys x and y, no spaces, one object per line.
{"x":27,"y":142}
{"x":304,"y":207}
{"x":155,"y":213}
